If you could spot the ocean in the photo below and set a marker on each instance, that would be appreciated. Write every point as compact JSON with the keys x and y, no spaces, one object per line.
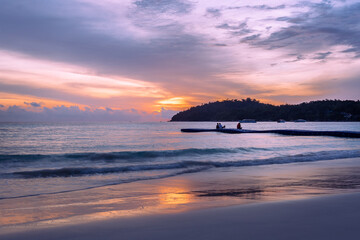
{"x":56,"y":173}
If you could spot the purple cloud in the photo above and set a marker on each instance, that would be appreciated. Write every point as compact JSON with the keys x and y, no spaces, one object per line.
{"x":33,"y":104}
{"x":322,"y":26}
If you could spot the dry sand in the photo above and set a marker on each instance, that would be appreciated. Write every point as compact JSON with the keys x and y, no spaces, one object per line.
{"x":326,"y":217}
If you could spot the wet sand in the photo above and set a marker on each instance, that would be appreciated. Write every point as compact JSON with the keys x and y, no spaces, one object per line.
{"x":325,"y":217}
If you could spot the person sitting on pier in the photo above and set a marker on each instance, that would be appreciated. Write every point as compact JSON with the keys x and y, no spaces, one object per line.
{"x":238,"y":126}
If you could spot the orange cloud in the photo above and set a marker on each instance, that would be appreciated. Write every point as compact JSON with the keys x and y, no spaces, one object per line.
{"x":175,"y":103}
{"x":9,"y":99}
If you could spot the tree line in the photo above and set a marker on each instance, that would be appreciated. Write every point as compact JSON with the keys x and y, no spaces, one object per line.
{"x":234,"y":110}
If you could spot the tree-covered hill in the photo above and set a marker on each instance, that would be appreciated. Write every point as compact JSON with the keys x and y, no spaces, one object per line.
{"x":234,"y":110}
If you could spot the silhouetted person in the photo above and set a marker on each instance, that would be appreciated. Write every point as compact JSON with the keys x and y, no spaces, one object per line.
{"x":238,"y":126}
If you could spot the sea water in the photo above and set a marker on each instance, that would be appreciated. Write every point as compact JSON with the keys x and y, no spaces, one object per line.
{"x":54,"y":171}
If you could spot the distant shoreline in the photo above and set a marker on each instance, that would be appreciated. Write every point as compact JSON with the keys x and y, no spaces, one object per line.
{"x":252,"y":109}
{"x":232,"y":121}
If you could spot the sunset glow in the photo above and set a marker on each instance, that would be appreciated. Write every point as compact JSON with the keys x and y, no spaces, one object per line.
{"x":159,"y":57}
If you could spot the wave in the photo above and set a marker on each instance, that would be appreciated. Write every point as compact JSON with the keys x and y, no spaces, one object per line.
{"x":203,"y":165}
{"x":108,"y":184}
{"x":125,"y":155}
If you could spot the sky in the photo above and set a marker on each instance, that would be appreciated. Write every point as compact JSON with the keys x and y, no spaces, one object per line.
{"x":145,"y":60}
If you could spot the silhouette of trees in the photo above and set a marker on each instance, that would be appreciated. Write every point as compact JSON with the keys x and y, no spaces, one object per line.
{"x":234,"y":110}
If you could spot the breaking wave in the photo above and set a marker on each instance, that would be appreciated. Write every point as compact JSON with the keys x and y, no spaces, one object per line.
{"x":200,"y":165}
{"x":126,"y":155}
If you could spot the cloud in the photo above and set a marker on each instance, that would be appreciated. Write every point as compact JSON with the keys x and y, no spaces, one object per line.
{"x":74,"y":113}
{"x":164,"y":6}
{"x":51,"y":30}
{"x":322,"y":27}
{"x":260,"y":7}
{"x":2,"y":105}
{"x":267,"y":7}
{"x":251,"y":38}
{"x":220,"y":44}
{"x":167,"y":114}
{"x":235,"y":29}
{"x":195,"y":50}
{"x":297,"y":20}
{"x":322,"y":56}
{"x":213,"y":12}
{"x":44,"y":92}
{"x":298,"y":58}
{"x":346,"y":89}
{"x":350,"y":50}
{"x":327,"y":88}
{"x":232,"y":27}
{"x":321,"y":6}
{"x":33,"y":104}
{"x":77,"y":96}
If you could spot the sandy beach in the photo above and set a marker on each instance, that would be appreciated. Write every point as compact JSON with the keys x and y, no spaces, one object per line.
{"x":170,"y":185}
{"x":325,"y":217}
{"x":179,"y":120}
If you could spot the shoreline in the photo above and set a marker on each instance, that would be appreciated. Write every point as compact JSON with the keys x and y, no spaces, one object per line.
{"x":324,"y":217}
{"x":180,"y":195}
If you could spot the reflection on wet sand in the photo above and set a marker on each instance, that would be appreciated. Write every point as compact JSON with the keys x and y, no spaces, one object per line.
{"x":178,"y":194}
{"x":251,"y":193}
{"x":163,"y":200}
{"x":13,"y":219}
{"x":289,"y":187}
{"x":174,"y":196}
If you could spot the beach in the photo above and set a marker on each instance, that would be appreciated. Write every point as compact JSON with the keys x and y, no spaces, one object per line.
{"x":111,"y":181}
{"x":179,"y":119}
{"x":327,"y":217}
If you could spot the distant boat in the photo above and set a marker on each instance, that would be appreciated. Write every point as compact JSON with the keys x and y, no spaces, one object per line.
{"x":281,"y":121}
{"x":300,"y":120}
{"x":248,"y":121}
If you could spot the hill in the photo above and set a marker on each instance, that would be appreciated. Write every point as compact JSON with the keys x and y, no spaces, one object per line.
{"x":234,"y":110}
